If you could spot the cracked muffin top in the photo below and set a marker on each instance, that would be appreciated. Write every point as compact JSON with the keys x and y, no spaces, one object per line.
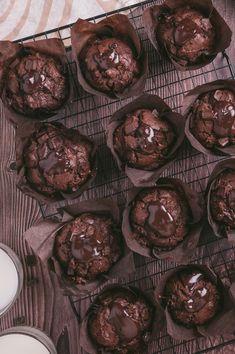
{"x":109,"y":64}
{"x":87,"y":247}
{"x":144,"y":139}
{"x":36,"y":84}
{"x":191,"y":297}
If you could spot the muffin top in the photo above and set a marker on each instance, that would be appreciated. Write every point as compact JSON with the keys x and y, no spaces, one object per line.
{"x":187,"y":34}
{"x":144,"y":139}
{"x":87,"y":247}
{"x":57,"y":159}
{"x":36,"y":84}
{"x":191,"y":297}
{"x":159,"y":217}
{"x":222,"y":199}
{"x":121,"y":322}
{"x":213,"y":122}
{"x":109,"y":65}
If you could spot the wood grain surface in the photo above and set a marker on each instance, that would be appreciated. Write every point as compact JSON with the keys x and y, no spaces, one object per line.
{"x":41,"y":303}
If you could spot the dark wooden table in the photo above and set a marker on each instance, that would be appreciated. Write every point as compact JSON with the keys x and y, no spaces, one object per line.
{"x":41,"y":303}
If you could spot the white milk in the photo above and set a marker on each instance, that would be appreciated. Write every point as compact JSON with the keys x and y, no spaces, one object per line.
{"x":21,"y":344}
{"x":9,"y":281}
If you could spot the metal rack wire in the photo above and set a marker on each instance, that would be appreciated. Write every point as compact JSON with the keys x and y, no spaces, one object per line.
{"x":91,"y":114}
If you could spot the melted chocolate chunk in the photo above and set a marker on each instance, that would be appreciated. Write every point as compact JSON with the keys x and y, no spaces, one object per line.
{"x":144,"y":139}
{"x":224,"y":121}
{"x":160,"y":220}
{"x":85,"y":249}
{"x":108,"y":59}
{"x":124,"y":324}
{"x":52,"y":164}
{"x":88,"y":247}
{"x":191,"y":297}
{"x":185,"y":31}
{"x":31,"y":81}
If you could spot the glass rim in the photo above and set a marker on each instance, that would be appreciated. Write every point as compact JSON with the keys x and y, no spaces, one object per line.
{"x":33,"y":332}
{"x":19,"y":269}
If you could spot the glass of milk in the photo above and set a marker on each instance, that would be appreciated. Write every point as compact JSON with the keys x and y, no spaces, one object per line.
{"x":11,"y":278}
{"x":25,"y":340}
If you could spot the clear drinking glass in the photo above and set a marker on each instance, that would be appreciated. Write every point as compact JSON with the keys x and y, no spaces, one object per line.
{"x":25,"y":340}
{"x":11,"y":278}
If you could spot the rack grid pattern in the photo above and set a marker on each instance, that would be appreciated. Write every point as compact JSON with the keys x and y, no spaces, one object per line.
{"x":91,"y":114}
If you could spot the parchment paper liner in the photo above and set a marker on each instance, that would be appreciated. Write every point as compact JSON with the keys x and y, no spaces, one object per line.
{"x":222,"y":323}
{"x":184,"y":250}
{"x":223,"y":32}
{"x":158,"y":320}
{"x":8,"y":53}
{"x":41,"y":239}
{"x":219,"y":228}
{"x":143,"y":178}
{"x":113,"y":26}
{"x":188,"y":102}
{"x":23,"y":132}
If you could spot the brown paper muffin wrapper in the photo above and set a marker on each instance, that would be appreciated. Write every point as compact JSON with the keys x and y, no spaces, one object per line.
{"x":10,"y":51}
{"x":219,"y":229}
{"x":158,"y":318}
{"x":143,"y":178}
{"x":41,"y":239}
{"x":184,"y":250}
{"x":113,"y":26}
{"x":23,"y":132}
{"x":223,"y":36}
{"x":222,"y":323}
{"x":188,"y":102}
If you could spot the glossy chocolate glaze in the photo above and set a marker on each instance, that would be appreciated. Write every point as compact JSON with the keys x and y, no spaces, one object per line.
{"x":32,"y":80}
{"x":85,"y":248}
{"x":160,"y":220}
{"x":224,"y":122}
{"x":196,"y":298}
{"x":124,"y":324}
{"x":109,"y":58}
{"x":185,"y":31}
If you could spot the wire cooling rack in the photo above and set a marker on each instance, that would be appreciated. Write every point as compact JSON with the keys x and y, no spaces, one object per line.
{"x":91,"y":114}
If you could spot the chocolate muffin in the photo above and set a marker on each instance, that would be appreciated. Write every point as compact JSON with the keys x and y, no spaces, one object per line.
{"x":143,"y":139}
{"x":213,"y":118}
{"x":121,"y":322}
{"x":57,"y":159}
{"x":187,"y":34}
{"x":191,"y":297}
{"x":87,"y":247}
{"x":109,"y":64}
{"x":222,"y":199}
{"x":160,"y":217}
{"x":36,"y":84}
